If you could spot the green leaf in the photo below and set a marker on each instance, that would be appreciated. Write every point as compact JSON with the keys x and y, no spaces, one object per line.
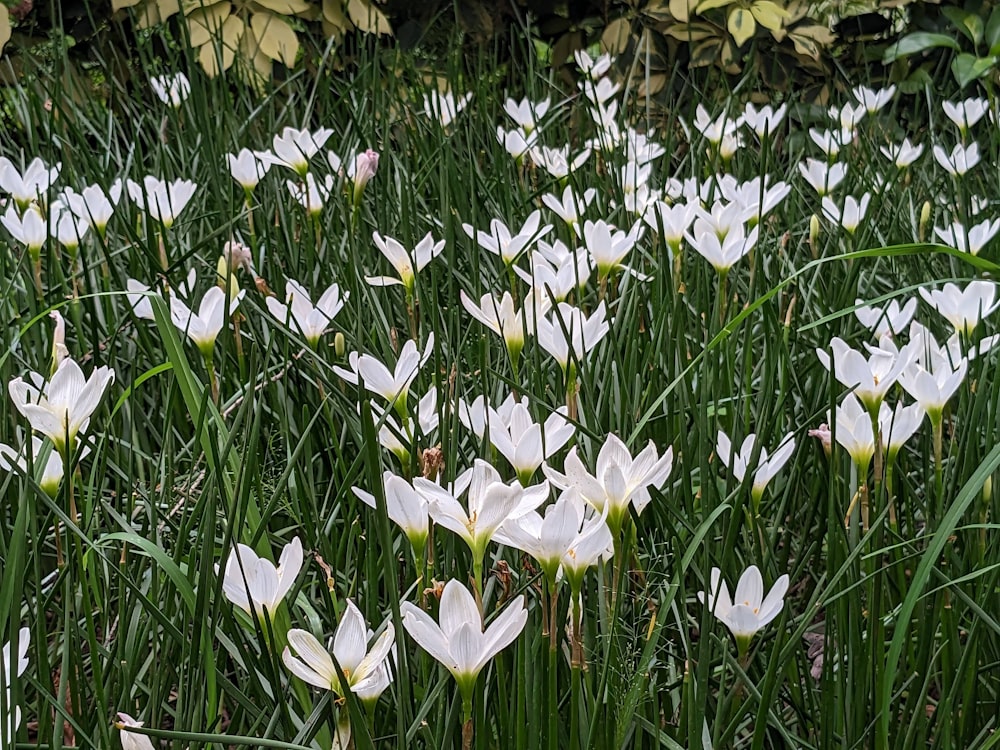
{"x":992,"y":33}
{"x":916,"y":42}
{"x":160,"y":557}
{"x":741,"y":25}
{"x":968,"y":68}
{"x":711,"y":5}
{"x":969,"y":24}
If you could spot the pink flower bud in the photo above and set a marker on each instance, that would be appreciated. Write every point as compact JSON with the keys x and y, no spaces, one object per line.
{"x":365,"y":166}
{"x":823,"y":433}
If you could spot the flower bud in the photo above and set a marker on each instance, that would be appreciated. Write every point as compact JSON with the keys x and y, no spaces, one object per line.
{"x":339,"y":346}
{"x":237,"y":255}
{"x":925,"y":219}
{"x":59,"y":350}
{"x":365,"y":166}
{"x":988,"y":490}
{"x":814,"y":235}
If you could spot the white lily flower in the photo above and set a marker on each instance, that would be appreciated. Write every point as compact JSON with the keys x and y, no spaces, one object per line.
{"x":854,"y":430}
{"x":557,"y":161}
{"x":311,"y":194}
{"x":725,"y":253}
{"x":501,"y":317}
{"x":399,"y":440}
{"x":203,"y":327}
{"x":61,"y":408}
{"x":568,"y":207}
{"x":248,"y":168}
{"x":963,"y":308}
{"x":501,"y":242}
{"x":898,"y":425}
{"x":547,"y":538}
{"x":902,"y":155}
{"x":16,"y":459}
{"x":171,"y":89}
{"x":966,"y":113}
{"x":392,"y":386}
{"x":765,"y":121}
{"x":715,"y":130}
{"x":871,"y":99}
{"x":822,"y":176}
{"x":960,"y":160}
{"x":30,"y":185}
{"x":405,"y":507}
{"x":933,"y":383}
{"x":132,"y":740}
{"x":749,"y":611}
{"x":609,"y":248}
{"x":852,"y":213}
{"x":600,"y":91}
{"x":311,"y":321}
{"x":590,"y":67}
{"x":830,"y":142}
{"x":871,"y":377}
{"x":568,"y":334}
{"x":255,"y":584}
{"x":619,"y":481}
{"x":360,"y":665}
{"x":162,"y":201}
{"x":526,"y":443}
{"x":293,"y":148}
{"x":890,"y":320}
{"x":407,"y":266}
{"x":971,"y":241}
{"x":30,"y":228}
{"x":460,"y":643}
{"x":848,"y":117}
{"x":767,"y":466}
{"x":526,"y":113}
{"x":444,"y":107}
{"x":490,"y":502}
{"x":95,"y":206}
{"x":517,"y":142}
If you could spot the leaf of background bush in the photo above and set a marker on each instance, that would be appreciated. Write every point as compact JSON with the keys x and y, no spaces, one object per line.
{"x":916,"y":42}
{"x":368,"y":18}
{"x":741,"y":25}
{"x":275,"y":37}
{"x":968,"y":68}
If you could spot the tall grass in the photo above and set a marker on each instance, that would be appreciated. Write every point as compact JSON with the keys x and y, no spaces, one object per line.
{"x":888,"y":638}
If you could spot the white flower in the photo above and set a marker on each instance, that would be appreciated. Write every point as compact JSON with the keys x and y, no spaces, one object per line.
{"x":501,"y":317}
{"x":902,"y":155}
{"x":311,"y":194}
{"x":569,"y":333}
{"x":66,"y":227}
{"x":966,"y":113}
{"x":392,"y":386}
{"x":94,"y":205}
{"x":607,"y":249}
{"x":248,"y":168}
{"x":851,"y":215}
{"x":972,"y":241}
{"x":749,"y":611}
{"x":672,"y":220}
{"x":459,"y":642}
{"x":873,"y":100}
{"x":898,"y":425}
{"x":30,"y":228}
{"x":766,"y":121}
{"x":886,"y":321}
{"x":960,"y":160}
{"x":619,"y":481}
{"x":590,"y":67}
{"x":33,"y":184}
{"x":848,"y":117}
{"x":934,"y":382}
{"x":823,"y":177}
{"x":407,"y":267}
{"x":254,"y":583}
{"x":714,"y":130}
{"x":548,"y":538}
{"x":555,"y":272}
{"x":132,"y":740}
{"x":311,"y":321}
{"x":831,"y":142}
{"x":14,"y":459}
{"x":599,"y":92}
{"x":61,"y":409}
{"x":556,"y":161}
{"x":171,"y":89}
{"x":869,"y":378}
{"x":203,"y":327}
{"x":294,"y":148}
{"x":526,"y":113}
{"x":767,"y":467}
{"x":162,"y":201}
{"x":854,"y":430}
{"x":405,"y":507}
{"x":444,"y":107}
{"x":517,"y":142}
{"x":509,"y":246}
{"x":725,"y":253}
{"x":360,"y":666}
{"x":399,"y":441}
{"x":569,"y":206}
{"x":526,"y":443}
{"x":963,"y":308}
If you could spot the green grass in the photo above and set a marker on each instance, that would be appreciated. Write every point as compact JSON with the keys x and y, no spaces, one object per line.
{"x":136,"y":620}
